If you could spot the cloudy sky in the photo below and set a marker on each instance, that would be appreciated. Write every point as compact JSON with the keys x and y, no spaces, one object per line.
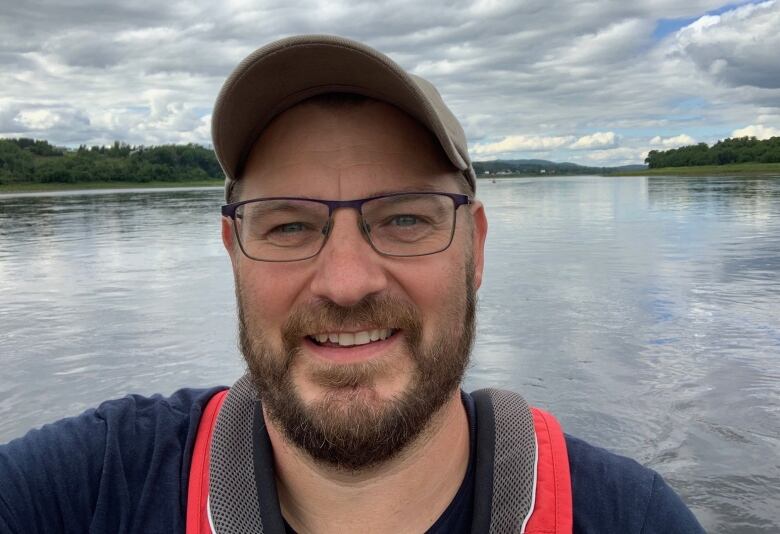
{"x":596,"y":82}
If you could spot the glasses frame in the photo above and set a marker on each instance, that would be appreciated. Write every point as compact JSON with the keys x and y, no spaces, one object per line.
{"x":458,"y":200}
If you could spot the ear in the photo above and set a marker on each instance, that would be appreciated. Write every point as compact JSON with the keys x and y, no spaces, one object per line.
{"x":229,"y":239}
{"x":480,"y":228}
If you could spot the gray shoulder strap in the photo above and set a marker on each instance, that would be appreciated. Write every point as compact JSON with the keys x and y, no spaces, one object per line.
{"x":505,"y":471}
{"x":506,"y":461}
{"x":233,"y":498}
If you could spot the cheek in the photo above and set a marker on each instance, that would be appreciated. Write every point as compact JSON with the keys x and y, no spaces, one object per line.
{"x":438,"y":290}
{"x":268,"y":293}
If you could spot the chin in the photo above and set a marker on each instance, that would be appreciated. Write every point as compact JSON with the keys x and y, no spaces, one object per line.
{"x":373,"y":384}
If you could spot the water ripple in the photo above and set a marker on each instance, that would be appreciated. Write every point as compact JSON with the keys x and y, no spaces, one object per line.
{"x":641,"y":311}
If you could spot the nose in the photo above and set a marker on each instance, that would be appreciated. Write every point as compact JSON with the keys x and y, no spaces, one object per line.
{"x":348,"y":269}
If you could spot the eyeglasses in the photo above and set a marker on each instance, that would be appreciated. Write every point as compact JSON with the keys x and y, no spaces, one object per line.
{"x":396,"y":224}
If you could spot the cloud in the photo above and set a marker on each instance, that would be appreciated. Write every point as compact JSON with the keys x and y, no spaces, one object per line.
{"x":36,"y":122}
{"x":7,"y":116}
{"x":521,"y":143}
{"x":618,"y":156}
{"x":38,"y":119}
{"x":602,"y":47}
{"x":759,"y":131}
{"x":672,"y":142}
{"x":738,"y":47}
{"x":596,"y":140}
{"x":521,"y":78}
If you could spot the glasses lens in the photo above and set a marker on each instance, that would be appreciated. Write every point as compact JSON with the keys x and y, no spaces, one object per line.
{"x":410,"y":225}
{"x":281,"y":230}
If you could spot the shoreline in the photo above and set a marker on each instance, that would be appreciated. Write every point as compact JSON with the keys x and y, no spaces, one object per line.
{"x":87,"y":186}
{"x":748,"y":170}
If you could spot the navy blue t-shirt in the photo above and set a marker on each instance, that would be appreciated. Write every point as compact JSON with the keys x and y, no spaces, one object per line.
{"x":124,"y":467}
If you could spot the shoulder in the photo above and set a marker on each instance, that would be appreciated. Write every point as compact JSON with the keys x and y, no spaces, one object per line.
{"x":612,"y":493}
{"x":136,"y":414}
{"x":101,"y":467}
{"x":144,"y":429}
{"x":131,"y":420}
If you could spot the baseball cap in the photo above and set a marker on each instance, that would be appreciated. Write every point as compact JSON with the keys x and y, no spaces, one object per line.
{"x":283,"y":73}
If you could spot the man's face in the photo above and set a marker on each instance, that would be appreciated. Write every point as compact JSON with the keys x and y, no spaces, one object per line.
{"x":355,"y":405}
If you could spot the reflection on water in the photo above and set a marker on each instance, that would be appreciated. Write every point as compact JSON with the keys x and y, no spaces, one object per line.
{"x":104,"y":294}
{"x":642,"y":311}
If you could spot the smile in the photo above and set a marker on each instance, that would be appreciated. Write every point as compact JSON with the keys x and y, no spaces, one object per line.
{"x":351,"y":339}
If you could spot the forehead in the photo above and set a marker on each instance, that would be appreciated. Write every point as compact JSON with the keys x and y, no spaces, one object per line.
{"x":345,"y":152}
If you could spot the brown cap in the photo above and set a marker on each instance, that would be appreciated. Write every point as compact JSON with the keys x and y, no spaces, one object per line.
{"x":283,"y":73}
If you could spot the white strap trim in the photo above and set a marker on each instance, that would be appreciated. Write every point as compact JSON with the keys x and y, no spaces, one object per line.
{"x":533,"y":489}
{"x":208,"y":514}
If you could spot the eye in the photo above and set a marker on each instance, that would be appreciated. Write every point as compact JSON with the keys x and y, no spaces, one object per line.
{"x":404,"y":220}
{"x":288,"y":228}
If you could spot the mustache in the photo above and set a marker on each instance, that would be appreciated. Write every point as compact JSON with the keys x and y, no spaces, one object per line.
{"x":372,"y":311}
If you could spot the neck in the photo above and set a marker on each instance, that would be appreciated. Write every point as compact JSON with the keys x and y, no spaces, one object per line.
{"x":407,"y":493}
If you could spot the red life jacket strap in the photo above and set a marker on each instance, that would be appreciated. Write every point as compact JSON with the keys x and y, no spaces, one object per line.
{"x":198,"y":486}
{"x":552,"y":512}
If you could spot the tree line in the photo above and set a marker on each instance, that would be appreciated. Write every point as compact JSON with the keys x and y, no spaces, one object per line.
{"x":36,"y":161}
{"x":732,"y":150}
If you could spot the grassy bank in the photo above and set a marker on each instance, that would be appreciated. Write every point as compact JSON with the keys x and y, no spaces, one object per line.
{"x":41,"y":188}
{"x":734,"y":169}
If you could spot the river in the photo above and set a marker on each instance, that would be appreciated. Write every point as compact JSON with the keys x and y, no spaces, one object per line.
{"x":643,"y":312}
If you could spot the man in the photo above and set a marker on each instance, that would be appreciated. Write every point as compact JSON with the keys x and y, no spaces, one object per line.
{"x":357,"y":249}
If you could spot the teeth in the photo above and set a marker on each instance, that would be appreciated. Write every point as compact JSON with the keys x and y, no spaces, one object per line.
{"x":349,"y":339}
{"x":361,"y":338}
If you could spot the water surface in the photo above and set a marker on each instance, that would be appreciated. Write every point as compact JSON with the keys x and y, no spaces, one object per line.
{"x":644,"y":312}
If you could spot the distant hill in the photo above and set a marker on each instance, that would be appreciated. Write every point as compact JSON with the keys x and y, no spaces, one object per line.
{"x":536,"y":167}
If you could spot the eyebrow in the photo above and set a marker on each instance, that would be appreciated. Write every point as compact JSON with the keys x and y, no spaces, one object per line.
{"x":272,"y":205}
{"x":409,"y":189}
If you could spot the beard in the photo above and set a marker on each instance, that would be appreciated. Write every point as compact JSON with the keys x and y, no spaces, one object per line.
{"x":350,"y":427}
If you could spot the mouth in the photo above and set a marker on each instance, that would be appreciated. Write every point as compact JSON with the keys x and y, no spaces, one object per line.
{"x":352,"y":339}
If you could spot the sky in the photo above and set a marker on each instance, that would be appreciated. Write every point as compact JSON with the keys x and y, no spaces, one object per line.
{"x":595,"y":82}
